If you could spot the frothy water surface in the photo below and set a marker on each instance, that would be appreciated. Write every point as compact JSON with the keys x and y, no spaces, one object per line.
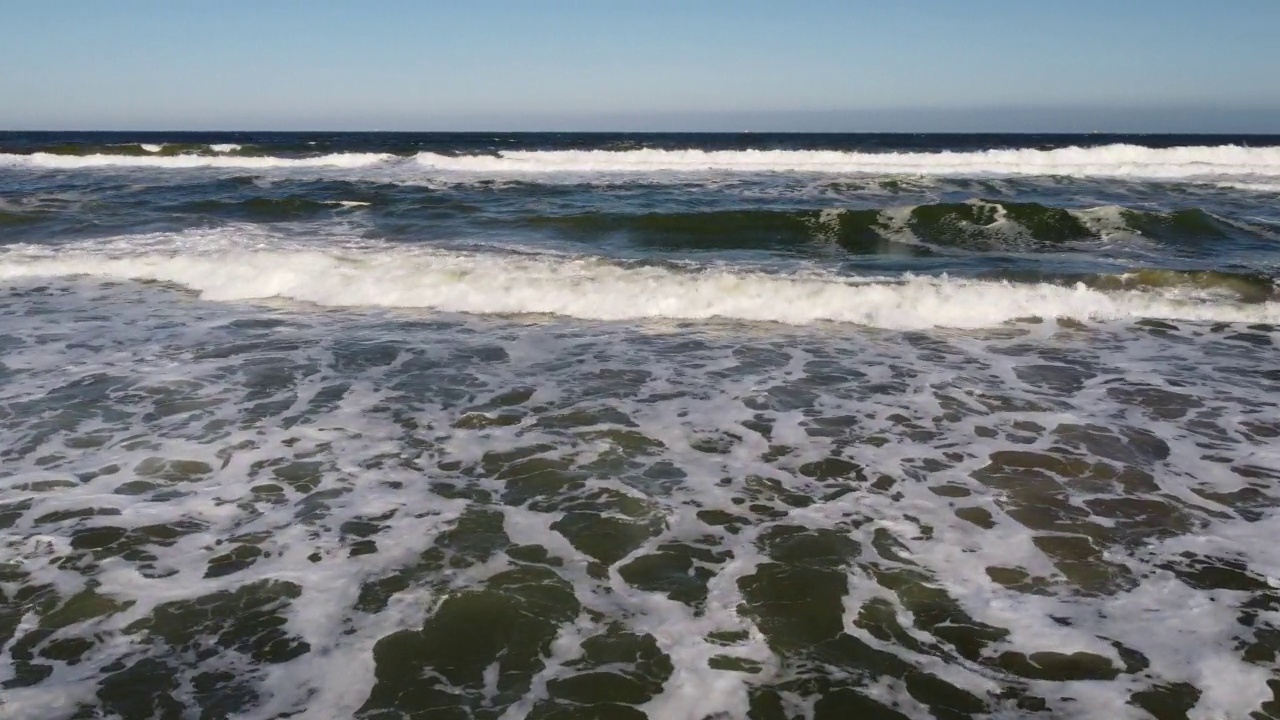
{"x":549,"y":451}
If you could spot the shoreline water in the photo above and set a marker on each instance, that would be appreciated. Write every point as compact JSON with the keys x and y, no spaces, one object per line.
{"x":625,"y":439}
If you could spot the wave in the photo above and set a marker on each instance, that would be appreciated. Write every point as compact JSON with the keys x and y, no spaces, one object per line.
{"x":1105,"y":161}
{"x":1108,"y":161}
{"x":45,"y":160}
{"x":978,"y":225}
{"x":989,"y":224}
{"x":855,"y":230}
{"x":1257,"y":187}
{"x":1244,"y":287}
{"x":973,"y":225}
{"x":596,"y":289}
{"x":132,"y":149}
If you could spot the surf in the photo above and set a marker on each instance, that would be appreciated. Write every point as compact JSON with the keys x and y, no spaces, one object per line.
{"x":594,"y":288}
{"x":1117,"y":160}
{"x":53,"y":161}
{"x":1108,"y":161}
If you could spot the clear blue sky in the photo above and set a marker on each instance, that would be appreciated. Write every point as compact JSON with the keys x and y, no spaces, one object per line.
{"x":1139,"y":65}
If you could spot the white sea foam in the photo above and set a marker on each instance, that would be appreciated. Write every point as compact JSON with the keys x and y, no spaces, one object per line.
{"x":1111,"y":161}
{"x":1259,"y":187}
{"x":1106,"y":161}
{"x":71,"y":162}
{"x":151,"y":148}
{"x":592,"y":288}
{"x":224,"y":147}
{"x":295,"y":426}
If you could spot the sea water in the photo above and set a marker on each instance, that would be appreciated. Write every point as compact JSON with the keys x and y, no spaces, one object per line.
{"x":684,"y":427}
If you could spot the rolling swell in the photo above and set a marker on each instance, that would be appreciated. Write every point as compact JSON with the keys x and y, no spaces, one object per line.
{"x":1189,"y":224}
{"x":1242,"y":287}
{"x":857,"y":231}
{"x":137,"y":149}
{"x":977,"y":225}
{"x":989,"y":224}
{"x":188,"y":161}
{"x":1246,"y":287}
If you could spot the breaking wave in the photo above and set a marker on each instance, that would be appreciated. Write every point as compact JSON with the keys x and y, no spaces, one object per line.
{"x":55,"y":161}
{"x":1106,"y":161}
{"x":1114,"y":161}
{"x":597,"y":289}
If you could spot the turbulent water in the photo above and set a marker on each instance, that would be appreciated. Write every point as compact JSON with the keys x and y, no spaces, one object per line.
{"x":624,"y":426}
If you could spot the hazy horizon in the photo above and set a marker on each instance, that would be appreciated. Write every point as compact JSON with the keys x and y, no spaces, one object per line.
{"x":1013,"y":120}
{"x":993,"y":66}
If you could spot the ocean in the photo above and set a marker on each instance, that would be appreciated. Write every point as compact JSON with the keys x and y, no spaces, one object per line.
{"x":619,"y":426}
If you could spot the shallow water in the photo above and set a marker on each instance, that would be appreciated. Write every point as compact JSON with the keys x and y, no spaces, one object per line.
{"x":621,"y":442}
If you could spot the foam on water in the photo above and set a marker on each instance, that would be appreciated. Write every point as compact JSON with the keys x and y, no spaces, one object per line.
{"x":403,"y":447}
{"x":42,"y":160}
{"x":1110,"y":161}
{"x":220,"y":508}
{"x":1258,"y":187}
{"x":228,"y":266}
{"x":1118,"y":161}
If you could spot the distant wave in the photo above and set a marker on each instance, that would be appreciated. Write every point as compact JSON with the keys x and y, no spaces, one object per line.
{"x":1111,"y":161}
{"x":104,"y":160}
{"x":592,"y":288}
{"x":1105,"y":161}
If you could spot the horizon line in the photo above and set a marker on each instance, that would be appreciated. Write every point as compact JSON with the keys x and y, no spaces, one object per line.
{"x":482,"y":130}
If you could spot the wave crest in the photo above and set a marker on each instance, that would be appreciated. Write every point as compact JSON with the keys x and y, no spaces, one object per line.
{"x":54,"y":161}
{"x":977,"y":224}
{"x":591,"y":288}
{"x":1109,"y":161}
{"x":1105,"y":161}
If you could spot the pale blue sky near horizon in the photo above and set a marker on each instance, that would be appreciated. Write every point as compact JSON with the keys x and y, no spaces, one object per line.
{"x":815,"y":65}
